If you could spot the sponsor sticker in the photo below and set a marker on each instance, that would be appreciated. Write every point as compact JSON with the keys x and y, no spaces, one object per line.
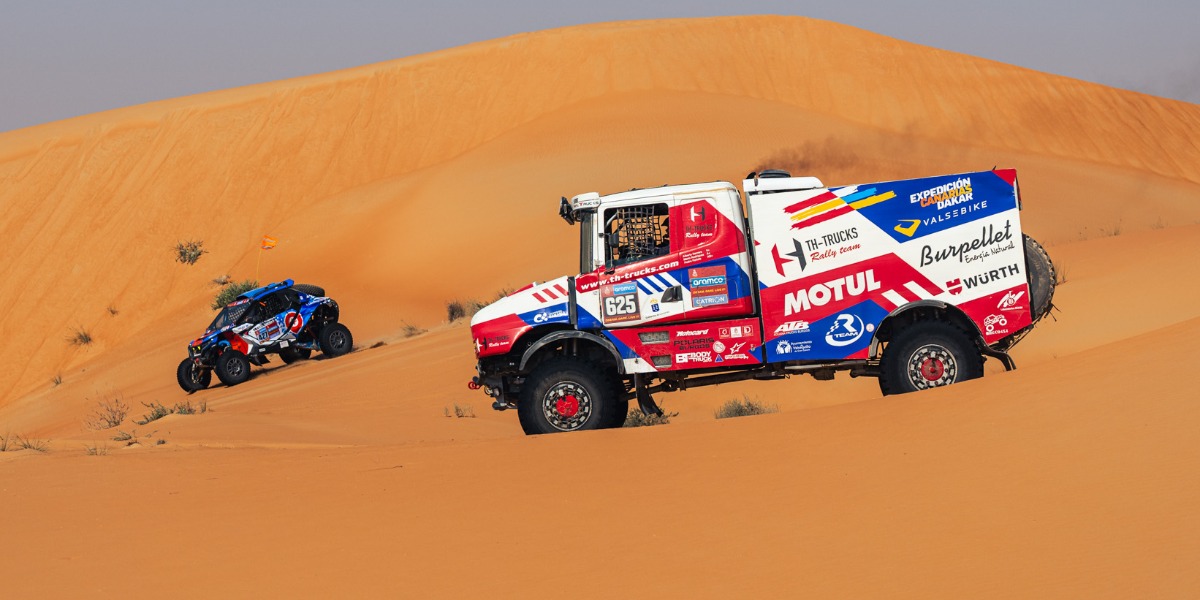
{"x":1011,"y":301}
{"x":619,"y":302}
{"x":847,"y":329}
{"x":702,"y":301}
{"x":791,"y":327}
{"x":995,"y":324}
{"x":693,"y":357}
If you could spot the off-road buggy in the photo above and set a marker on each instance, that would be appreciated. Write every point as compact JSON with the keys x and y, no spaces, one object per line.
{"x":282,"y":318}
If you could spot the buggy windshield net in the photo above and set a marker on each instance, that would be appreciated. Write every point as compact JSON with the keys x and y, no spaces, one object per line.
{"x":229,"y":315}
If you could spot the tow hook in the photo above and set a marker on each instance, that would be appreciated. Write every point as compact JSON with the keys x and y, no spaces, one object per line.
{"x":472,"y":385}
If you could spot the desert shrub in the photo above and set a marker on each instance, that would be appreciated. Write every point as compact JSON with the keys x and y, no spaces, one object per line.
{"x":458,"y":309}
{"x":157,"y":411}
{"x":112,"y":310}
{"x":125,"y":436}
{"x":1112,"y":231}
{"x":80,"y":337}
{"x":5,"y":441}
{"x":56,"y":380}
{"x":411,"y":330}
{"x":744,"y":408}
{"x":636,"y":418}
{"x":231,"y":291}
{"x":1159,"y":224}
{"x":1060,"y":274}
{"x":97,"y":450}
{"x":461,"y":412}
{"x":107,"y":414}
{"x":222,"y":280}
{"x":378,"y":344}
{"x":188,"y":252}
{"x":25,"y":443}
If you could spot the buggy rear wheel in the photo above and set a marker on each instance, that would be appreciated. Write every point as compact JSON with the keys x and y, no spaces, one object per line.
{"x":335,"y":340}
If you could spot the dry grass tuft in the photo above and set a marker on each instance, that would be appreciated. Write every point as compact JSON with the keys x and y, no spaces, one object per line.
{"x":744,"y":408}
{"x":107,"y":414}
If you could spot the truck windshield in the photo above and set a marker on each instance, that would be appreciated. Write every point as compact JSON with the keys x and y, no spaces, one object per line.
{"x":587,"y":240}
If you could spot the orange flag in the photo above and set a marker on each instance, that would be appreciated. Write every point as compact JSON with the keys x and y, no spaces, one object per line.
{"x":268,"y":242}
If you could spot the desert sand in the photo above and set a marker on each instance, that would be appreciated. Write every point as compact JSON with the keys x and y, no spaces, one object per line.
{"x":402,"y":185}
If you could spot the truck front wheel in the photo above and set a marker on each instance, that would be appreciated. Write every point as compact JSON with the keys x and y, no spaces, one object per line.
{"x":928,"y":354}
{"x":564,"y":394}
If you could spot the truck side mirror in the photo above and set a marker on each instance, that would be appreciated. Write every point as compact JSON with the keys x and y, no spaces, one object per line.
{"x":673,"y":294}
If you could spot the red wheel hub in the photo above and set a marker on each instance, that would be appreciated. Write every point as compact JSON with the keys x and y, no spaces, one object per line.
{"x":932,"y":369}
{"x":567,"y":406}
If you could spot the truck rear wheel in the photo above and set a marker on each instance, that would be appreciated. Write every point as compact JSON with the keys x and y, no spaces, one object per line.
{"x":564,"y":394}
{"x":1042,"y":278}
{"x":928,"y":354}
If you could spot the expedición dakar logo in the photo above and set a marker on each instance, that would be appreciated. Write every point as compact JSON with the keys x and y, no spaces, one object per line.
{"x":945,"y":195}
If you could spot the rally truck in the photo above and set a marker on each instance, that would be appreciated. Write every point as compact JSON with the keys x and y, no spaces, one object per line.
{"x":283,"y":318}
{"x":914,"y":282}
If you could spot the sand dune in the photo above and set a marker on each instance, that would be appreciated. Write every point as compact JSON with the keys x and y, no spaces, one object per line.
{"x":405,"y":184}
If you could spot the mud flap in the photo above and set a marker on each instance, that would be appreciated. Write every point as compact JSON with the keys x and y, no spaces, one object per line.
{"x":645,"y":401}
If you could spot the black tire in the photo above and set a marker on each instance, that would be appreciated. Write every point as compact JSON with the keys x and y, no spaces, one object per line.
{"x":1042,"y":278}
{"x":335,"y":340}
{"x":191,"y":377}
{"x":928,"y":354}
{"x":292,"y":354}
{"x":565,"y":394}
{"x":310,"y":289}
{"x":233,"y":367}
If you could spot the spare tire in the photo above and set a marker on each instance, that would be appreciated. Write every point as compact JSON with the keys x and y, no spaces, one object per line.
{"x":310,"y":289}
{"x":1042,"y":278}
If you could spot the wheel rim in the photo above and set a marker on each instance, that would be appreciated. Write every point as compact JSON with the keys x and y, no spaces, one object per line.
{"x":234,"y":368}
{"x":932,"y":365}
{"x":194,"y":374}
{"x":337,"y":340}
{"x":567,"y":406}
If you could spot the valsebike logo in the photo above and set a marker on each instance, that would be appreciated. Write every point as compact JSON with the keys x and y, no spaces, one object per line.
{"x":834,"y":290}
{"x":908,"y":227}
{"x":847,"y":329}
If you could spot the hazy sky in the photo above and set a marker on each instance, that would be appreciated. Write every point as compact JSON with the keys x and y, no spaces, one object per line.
{"x":60,"y":58}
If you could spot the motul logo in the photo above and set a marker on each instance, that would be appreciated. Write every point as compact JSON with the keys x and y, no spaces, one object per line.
{"x":830,"y":291}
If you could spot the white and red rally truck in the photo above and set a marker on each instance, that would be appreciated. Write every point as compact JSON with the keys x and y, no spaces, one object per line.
{"x":913,"y":282}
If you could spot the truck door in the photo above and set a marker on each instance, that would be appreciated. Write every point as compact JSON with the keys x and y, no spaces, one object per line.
{"x":714,"y":255}
{"x":639,"y":252}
